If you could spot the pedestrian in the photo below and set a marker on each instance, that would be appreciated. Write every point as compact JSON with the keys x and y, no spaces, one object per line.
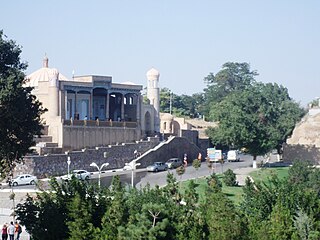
{"x":18,"y":230}
{"x":11,"y":231}
{"x":4,"y":232}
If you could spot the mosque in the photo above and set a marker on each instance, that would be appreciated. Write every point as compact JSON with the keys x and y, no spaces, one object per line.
{"x":91,"y":118}
{"x":91,"y":110}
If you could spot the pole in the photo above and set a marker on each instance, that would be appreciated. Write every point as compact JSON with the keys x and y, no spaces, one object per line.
{"x":170,"y":102}
{"x":132,"y":177}
{"x":13,"y":202}
{"x":99,"y":177}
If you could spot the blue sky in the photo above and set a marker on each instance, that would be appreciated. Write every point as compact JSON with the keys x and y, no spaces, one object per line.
{"x":184,"y":40}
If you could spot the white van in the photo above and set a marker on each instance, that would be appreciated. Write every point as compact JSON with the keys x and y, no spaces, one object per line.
{"x":233,"y":156}
{"x":218,"y":156}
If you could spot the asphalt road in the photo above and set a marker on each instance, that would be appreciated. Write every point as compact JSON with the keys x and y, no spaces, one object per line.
{"x":142,"y":177}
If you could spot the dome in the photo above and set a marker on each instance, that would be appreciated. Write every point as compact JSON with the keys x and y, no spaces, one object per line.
{"x":44,"y":74}
{"x":129,"y":83}
{"x":153,"y":73}
{"x":166,"y":117}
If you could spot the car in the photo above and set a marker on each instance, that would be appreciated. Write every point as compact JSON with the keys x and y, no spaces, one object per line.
{"x":174,"y":163}
{"x":233,"y":156}
{"x":23,"y":179}
{"x":157,"y":166}
{"x":81,"y":174}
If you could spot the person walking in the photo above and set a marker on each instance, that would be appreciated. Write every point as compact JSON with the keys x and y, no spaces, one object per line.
{"x":11,"y":229}
{"x":4,"y":232}
{"x":17,"y":230}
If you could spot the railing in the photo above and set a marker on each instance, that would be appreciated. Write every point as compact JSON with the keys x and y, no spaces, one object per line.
{"x":98,"y":123}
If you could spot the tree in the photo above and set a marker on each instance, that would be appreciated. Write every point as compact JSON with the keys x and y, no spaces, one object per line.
{"x":304,"y":226}
{"x":258,"y":118}
{"x":116,"y":212}
{"x":150,"y":223}
{"x":196,"y":163}
{"x":191,"y":223}
{"x":229,"y":178}
{"x":280,"y":223}
{"x":50,"y":214}
{"x":80,"y":226}
{"x":233,"y":77}
{"x":165,"y":100}
{"x":20,"y":111}
{"x":183,"y":105}
{"x":222,"y":219}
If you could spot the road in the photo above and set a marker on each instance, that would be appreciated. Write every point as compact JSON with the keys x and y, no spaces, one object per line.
{"x":142,"y":177}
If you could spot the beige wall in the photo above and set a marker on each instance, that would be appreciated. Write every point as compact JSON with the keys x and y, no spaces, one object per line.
{"x":79,"y":137}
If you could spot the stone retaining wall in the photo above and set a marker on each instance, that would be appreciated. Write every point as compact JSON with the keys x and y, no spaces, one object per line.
{"x":116,"y":155}
{"x":301,"y":153}
{"x":56,"y":164}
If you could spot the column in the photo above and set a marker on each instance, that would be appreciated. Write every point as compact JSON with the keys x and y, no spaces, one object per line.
{"x":138,"y":108}
{"x":90,"y":105}
{"x":122,"y":107}
{"x":107,"y":106}
{"x":66,"y":106}
{"x":75,"y":105}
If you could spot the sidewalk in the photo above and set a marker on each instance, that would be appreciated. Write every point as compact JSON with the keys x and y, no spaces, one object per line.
{"x":5,"y":217}
{"x":243,"y":173}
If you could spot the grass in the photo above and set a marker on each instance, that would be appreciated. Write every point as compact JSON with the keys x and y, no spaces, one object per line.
{"x":265,"y":173}
{"x":235,"y":193}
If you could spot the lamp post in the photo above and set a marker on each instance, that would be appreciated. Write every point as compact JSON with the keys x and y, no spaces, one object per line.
{"x":99,"y":169}
{"x":68,"y":162}
{"x":133,"y":166}
{"x":170,"y":102}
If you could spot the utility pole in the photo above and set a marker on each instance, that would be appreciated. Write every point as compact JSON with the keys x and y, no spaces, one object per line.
{"x":170,"y":102}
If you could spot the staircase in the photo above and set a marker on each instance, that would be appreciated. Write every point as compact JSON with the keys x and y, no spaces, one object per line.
{"x":44,"y":144}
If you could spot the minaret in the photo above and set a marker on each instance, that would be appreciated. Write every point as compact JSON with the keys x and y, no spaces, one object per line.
{"x":45,"y":62}
{"x":153,"y":95}
{"x":53,"y":90}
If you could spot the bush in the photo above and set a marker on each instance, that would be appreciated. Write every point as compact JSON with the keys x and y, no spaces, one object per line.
{"x":229,"y":178}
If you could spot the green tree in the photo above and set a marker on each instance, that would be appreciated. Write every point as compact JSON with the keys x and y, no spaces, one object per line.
{"x":150,"y":223}
{"x":252,"y":118}
{"x":165,"y":100}
{"x":229,"y":178}
{"x":183,"y":105}
{"x":47,"y":215}
{"x":191,"y":223}
{"x":304,"y":226}
{"x":233,"y":77}
{"x":280,"y":226}
{"x":214,"y":183}
{"x":116,"y":212}
{"x":80,"y":226}
{"x":222,"y":219}
{"x":20,"y":111}
{"x":196,"y":163}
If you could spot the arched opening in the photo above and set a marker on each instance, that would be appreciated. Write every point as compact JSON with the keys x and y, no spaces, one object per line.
{"x":99,"y":103}
{"x":130,"y":107}
{"x":115,"y":105}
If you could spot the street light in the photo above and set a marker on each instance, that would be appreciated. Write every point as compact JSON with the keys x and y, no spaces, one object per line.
{"x":99,"y":169}
{"x":68,"y":162}
{"x":133,"y":166}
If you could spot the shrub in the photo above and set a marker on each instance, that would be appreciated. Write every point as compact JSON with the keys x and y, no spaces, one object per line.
{"x":229,"y":178}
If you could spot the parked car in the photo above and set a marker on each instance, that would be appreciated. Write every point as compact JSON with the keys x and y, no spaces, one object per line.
{"x":157,"y":166}
{"x":233,"y":156}
{"x":23,"y":179}
{"x":174,"y":163}
{"x":81,"y":174}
